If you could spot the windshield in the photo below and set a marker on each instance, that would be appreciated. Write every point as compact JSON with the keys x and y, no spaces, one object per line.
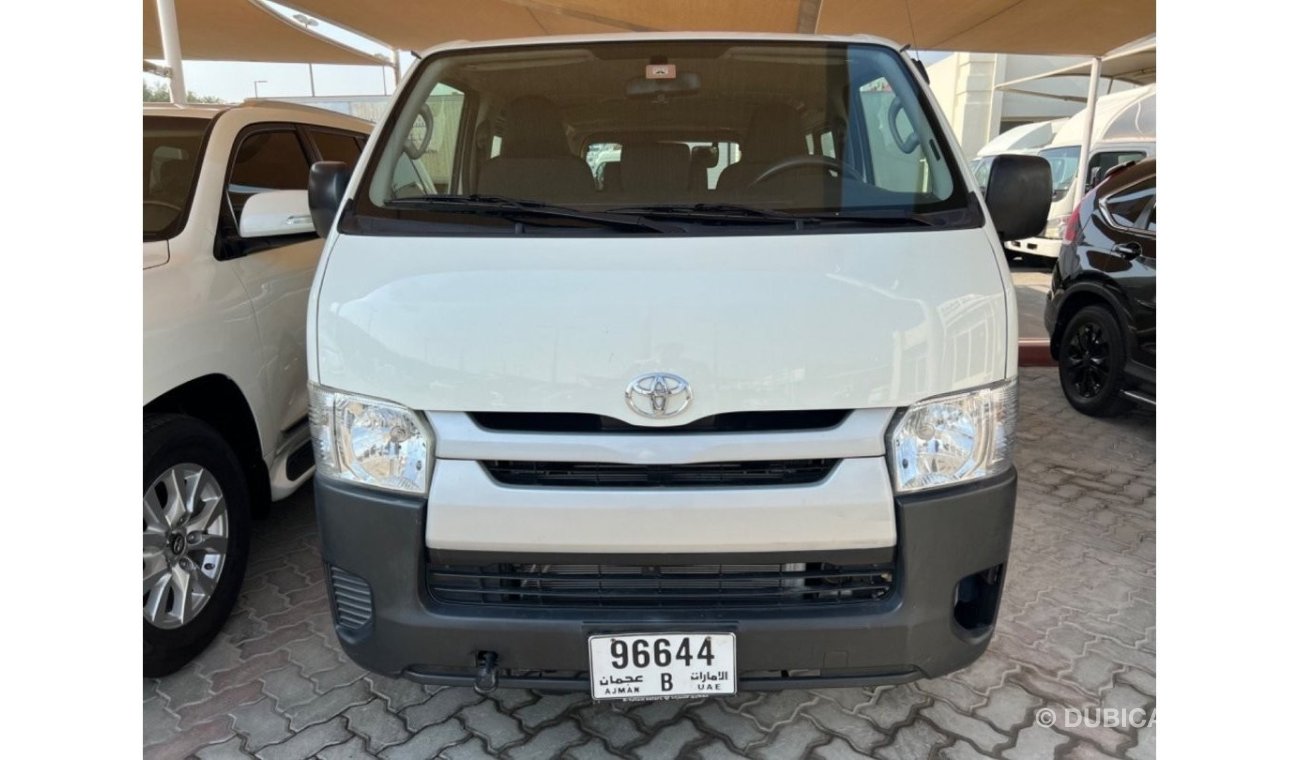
{"x":671,"y":127}
{"x":173,"y":146}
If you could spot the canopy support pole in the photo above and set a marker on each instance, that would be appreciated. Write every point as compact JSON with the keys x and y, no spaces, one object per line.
{"x":1090,"y":113}
{"x":171,"y":42}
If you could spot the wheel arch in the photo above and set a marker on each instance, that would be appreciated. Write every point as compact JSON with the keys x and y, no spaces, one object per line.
{"x":218,"y":401}
{"x":1081,"y":295}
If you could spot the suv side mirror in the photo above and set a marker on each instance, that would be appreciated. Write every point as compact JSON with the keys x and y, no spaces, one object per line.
{"x":1019,"y":195}
{"x":326,"y":184}
{"x":275,"y":212}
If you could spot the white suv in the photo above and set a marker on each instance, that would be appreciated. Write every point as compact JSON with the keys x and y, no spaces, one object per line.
{"x":229,"y":255}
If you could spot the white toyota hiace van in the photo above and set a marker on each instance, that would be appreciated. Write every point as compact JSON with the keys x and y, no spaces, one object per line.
{"x":740,"y":415}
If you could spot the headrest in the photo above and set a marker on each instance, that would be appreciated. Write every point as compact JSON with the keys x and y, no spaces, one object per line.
{"x":774,"y":133}
{"x":657,"y":167}
{"x":533,"y":130}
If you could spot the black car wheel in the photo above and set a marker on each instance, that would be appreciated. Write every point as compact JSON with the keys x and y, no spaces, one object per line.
{"x":196,"y":523}
{"x":1092,"y":362}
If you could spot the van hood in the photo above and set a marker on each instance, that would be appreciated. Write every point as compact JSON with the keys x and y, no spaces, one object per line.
{"x":753,"y":323}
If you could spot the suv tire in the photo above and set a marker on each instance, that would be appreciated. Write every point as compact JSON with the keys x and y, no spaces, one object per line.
{"x":196,"y":526}
{"x":1091,"y":367}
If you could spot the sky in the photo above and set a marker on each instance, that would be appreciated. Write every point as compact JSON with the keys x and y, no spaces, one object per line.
{"x":232,"y":81}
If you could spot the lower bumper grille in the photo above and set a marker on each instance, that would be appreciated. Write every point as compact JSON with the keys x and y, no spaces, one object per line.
{"x":708,"y":474}
{"x":352,"y":605}
{"x":632,"y":586}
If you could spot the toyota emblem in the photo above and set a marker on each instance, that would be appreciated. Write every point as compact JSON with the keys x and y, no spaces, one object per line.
{"x":658,"y":395}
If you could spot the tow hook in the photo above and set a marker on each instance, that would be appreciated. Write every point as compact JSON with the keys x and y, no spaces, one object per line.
{"x":486,"y":680}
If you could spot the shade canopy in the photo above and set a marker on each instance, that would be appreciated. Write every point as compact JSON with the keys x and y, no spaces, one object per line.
{"x":242,"y":30}
{"x":1135,"y":63}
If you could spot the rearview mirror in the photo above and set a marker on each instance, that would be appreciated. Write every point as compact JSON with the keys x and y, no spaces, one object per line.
{"x":1019,"y":195}
{"x":326,"y":184}
{"x":274,"y":213}
{"x":683,"y":83}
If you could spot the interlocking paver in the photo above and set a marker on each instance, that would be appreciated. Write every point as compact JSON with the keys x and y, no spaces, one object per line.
{"x":717,"y":750}
{"x":791,"y":740}
{"x":159,"y":723}
{"x":1077,"y":629}
{"x":308,"y":742}
{"x":376,"y":725}
{"x":1035,"y":742}
{"x":984,"y":736}
{"x":592,"y":750}
{"x":848,"y":726}
{"x":737,"y":729}
{"x":230,"y":749}
{"x":352,"y":749}
{"x":548,"y":708}
{"x":398,"y":693}
{"x":1008,"y":707}
{"x":837,"y":749}
{"x":962,"y":750}
{"x":914,"y":740}
{"x":428,"y":743}
{"x":495,"y":727}
{"x":328,"y":705}
{"x":439,"y":708}
{"x":261,"y":725}
{"x":607,"y":722}
{"x":952,"y":691}
{"x":549,"y":742}
{"x":669,"y":741}
{"x":473,"y":749}
{"x":220,"y":704}
{"x":185,"y":743}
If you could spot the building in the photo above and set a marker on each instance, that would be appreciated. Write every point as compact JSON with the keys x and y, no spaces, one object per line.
{"x":965,"y":86}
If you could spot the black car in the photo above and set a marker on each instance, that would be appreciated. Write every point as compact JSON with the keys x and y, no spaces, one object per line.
{"x":1101,"y":309}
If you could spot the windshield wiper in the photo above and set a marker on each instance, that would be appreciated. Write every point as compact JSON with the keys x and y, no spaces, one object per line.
{"x":881,"y":218}
{"x":715,"y":212}
{"x":515,"y":208}
{"x":729,"y":211}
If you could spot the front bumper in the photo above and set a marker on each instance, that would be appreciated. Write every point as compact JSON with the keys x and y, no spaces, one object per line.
{"x":1036,"y":246}
{"x":944,"y":537}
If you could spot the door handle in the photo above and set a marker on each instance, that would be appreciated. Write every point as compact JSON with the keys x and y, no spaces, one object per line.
{"x":1128,"y":250}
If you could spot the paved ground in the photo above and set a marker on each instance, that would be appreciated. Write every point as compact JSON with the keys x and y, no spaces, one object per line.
{"x":1032,"y":279}
{"x":1077,"y":630}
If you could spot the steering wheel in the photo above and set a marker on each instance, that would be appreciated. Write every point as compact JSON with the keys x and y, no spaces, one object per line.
{"x":164,"y":204}
{"x":908,"y":145}
{"x":413,"y":150}
{"x":800,"y":162}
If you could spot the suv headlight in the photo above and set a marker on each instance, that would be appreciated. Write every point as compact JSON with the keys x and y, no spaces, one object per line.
{"x":371,"y":442}
{"x":955,"y":438}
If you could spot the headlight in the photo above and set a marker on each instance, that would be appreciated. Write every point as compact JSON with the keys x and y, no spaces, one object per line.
{"x":953,"y":439}
{"x":368,"y":441}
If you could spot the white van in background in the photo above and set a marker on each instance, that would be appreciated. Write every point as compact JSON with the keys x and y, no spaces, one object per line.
{"x":1024,"y":139}
{"x":1124,"y":129}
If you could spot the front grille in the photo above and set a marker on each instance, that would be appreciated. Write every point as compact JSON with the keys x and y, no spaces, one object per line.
{"x":635,"y":586}
{"x":786,"y":472}
{"x":352,"y":605}
{"x":728,"y":422}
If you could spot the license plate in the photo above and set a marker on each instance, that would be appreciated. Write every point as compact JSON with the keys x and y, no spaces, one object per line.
{"x":662,"y":665}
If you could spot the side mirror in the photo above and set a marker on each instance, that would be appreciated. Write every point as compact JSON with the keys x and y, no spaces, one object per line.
{"x":1093,"y":174}
{"x":326,"y":184}
{"x":275,"y":212}
{"x":1019,"y":195}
